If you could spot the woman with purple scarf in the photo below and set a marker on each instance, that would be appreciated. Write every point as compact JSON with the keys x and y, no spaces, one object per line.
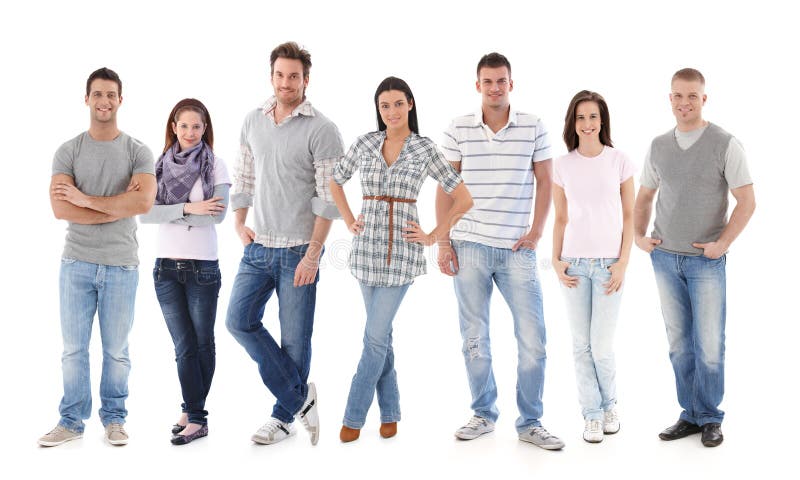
{"x":193,"y":187}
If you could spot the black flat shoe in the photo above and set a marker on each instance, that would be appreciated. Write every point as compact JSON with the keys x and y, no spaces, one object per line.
{"x":184,"y":439}
{"x":176,"y":429}
{"x":679,"y":430}
{"x":712,"y":434}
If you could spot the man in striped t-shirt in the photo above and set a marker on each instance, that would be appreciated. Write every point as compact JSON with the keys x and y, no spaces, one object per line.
{"x":500,"y":153}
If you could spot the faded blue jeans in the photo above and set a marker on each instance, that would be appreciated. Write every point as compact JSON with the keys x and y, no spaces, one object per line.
{"x":375,"y":372}
{"x":187,"y":291}
{"x":110,"y":291}
{"x":692,"y":291}
{"x":284,"y":368}
{"x":516,"y":278}
{"x":593,"y":319}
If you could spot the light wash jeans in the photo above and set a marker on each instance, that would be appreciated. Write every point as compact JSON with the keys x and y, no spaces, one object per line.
{"x":284,"y":368}
{"x":516,"y":278}
{"x":593,"y":318}
{"x":86,"y":288}
{"x":375,"y":372}
{"x":692,"y":291}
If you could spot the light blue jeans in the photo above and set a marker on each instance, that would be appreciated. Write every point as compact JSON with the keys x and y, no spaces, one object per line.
{"x":86,"y":288}
{"x":692,"y":291}
{"x":375,"y":372}
{"x":516,"y":278}
{"x":593,"y":319}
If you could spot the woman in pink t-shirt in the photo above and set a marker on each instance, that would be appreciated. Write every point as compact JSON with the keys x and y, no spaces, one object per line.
{"x":593,"y":195}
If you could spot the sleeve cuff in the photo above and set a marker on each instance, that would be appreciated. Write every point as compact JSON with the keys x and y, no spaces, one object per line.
{"x":323,"y":209}
{"x":241,"y":200}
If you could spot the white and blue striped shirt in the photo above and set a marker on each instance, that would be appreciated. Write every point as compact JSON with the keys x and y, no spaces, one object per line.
{"x":498,"y":170}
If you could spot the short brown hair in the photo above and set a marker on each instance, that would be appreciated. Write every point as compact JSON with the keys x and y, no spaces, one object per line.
{"x":293,"y":51}
{"x":104,"y":74}
{"x":689,"y":75}
{"x":493,"y":60}
{"x":570,"y":136}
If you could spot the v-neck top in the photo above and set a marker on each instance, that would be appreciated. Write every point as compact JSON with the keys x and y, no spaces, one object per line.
{"x":418,"y":159}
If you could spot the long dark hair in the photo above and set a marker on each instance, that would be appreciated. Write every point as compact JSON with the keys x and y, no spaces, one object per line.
{"x":394,"y":83}
{"x":570,"y":136}
{"x":193,"y":105}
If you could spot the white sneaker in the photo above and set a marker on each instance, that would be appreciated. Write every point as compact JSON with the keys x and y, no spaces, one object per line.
{"x":541,"y":438}
{"x":273,"y":432}
{"x":57,"y":436}
{"x":309,"y":414}
{"x":593,"y":431}
{"x":476,"y":427}
{"x":610,"y":422}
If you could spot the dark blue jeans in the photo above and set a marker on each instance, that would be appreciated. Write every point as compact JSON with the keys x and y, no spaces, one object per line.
{"x":187,"y":291}
{"x":283,"y":368}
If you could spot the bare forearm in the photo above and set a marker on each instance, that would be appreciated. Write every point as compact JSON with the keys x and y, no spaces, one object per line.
{"x":641,"y":216}
{"x":739,"y":218}
{"x":559,"y":227}
{"x":123,"y":205}
{"x":541,"y":208}
{"x":321,"y":228}
{"x":460,"y":203}
{"x":340,"y":199}
{"x":444,"y":204}
{"x":627,"y":237}
{"x":85,"y":216}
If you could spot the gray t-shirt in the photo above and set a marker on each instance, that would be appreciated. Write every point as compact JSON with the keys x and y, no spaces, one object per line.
{"x":103,"y":169}
{"x":694,"y":172}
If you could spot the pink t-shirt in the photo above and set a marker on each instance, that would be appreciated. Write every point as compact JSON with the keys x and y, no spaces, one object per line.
{"x":196,"y":243}
{"x":594,"y":205}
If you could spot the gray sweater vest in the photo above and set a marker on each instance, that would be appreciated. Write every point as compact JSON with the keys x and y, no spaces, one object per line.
{"x":692,"y":203}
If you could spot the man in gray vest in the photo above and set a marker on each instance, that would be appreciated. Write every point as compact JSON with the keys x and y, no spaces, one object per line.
{"x":288,"y":151}
{"x":693,"y":166}
{"x":101,"y":179}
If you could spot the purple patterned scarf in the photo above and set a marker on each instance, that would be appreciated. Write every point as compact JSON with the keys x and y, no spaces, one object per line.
{"x":177,"y":172}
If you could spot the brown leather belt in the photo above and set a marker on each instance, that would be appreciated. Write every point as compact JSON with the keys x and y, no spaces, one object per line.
{"x":391,"y":201}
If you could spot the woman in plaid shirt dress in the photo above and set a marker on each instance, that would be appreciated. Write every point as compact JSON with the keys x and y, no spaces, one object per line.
{"x":388,"y":245}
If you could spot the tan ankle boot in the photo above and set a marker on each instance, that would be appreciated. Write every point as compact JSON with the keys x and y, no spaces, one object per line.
{"x":348,"y":434}
{"x":388,"y":430}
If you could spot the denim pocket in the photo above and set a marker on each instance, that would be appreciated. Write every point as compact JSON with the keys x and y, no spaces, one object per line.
{"x":129,"y":268}
{"x":208,"y":276}
{"x":156,"y":274}
{"x":299,"y":249}
{"x":68,"y":261}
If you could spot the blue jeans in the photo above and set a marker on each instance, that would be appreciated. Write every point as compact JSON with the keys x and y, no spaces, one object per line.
{"x":86,"y":288}
{"x":593,"y":319}
{"x":283,"y":368}
{"x":516,"y":278}
{"x":692,"y":291}
{"x":375,"y":371}
{"x":187,"y":291}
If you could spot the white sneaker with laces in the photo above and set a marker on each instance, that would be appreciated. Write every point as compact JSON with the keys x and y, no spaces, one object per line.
{"x":309,"y":413}
{"x":593,"y":431}
{"x":541,"y":438}
{"x":610,"y":422}
{"x":273,"y":432}
{"x":475,"y":427}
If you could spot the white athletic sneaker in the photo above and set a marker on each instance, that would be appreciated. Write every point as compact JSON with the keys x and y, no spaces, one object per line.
{"x":476,"y":427}
{"x":309,"y":413}
{"x":610,"y":421}
{"x":593,"y":431}
{"x":273,"y":432}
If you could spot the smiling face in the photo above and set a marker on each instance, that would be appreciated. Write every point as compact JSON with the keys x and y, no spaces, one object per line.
{"x":587,"y":121}
{"x":394,"y":107}
{"x":288,"y":82}
{"x":494,"y":84}
{"x":688,"y":98}
{"x":189,"y":129}
{"x":103,"y":101}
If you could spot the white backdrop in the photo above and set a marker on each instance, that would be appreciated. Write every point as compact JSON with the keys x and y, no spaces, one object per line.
{"x":218,"y":52}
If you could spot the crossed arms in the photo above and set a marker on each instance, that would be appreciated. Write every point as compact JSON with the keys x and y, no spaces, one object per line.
{"x":71,"y":204}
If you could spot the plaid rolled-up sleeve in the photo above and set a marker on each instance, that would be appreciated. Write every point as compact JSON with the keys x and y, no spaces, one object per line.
{"x":347,"y":166}
{"x":322,"y":205}
{"x":244,"y":175}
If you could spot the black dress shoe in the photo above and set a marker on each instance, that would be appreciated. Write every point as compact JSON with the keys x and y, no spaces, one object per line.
{"x":679,"y":430}
{"x":184,"y":439}
{"x":712,"y":434}
{"x":176,"y":429}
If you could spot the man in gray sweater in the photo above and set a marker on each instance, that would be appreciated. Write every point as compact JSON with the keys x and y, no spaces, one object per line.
{"x":288,"y":151}
{"x":693,"y":166}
